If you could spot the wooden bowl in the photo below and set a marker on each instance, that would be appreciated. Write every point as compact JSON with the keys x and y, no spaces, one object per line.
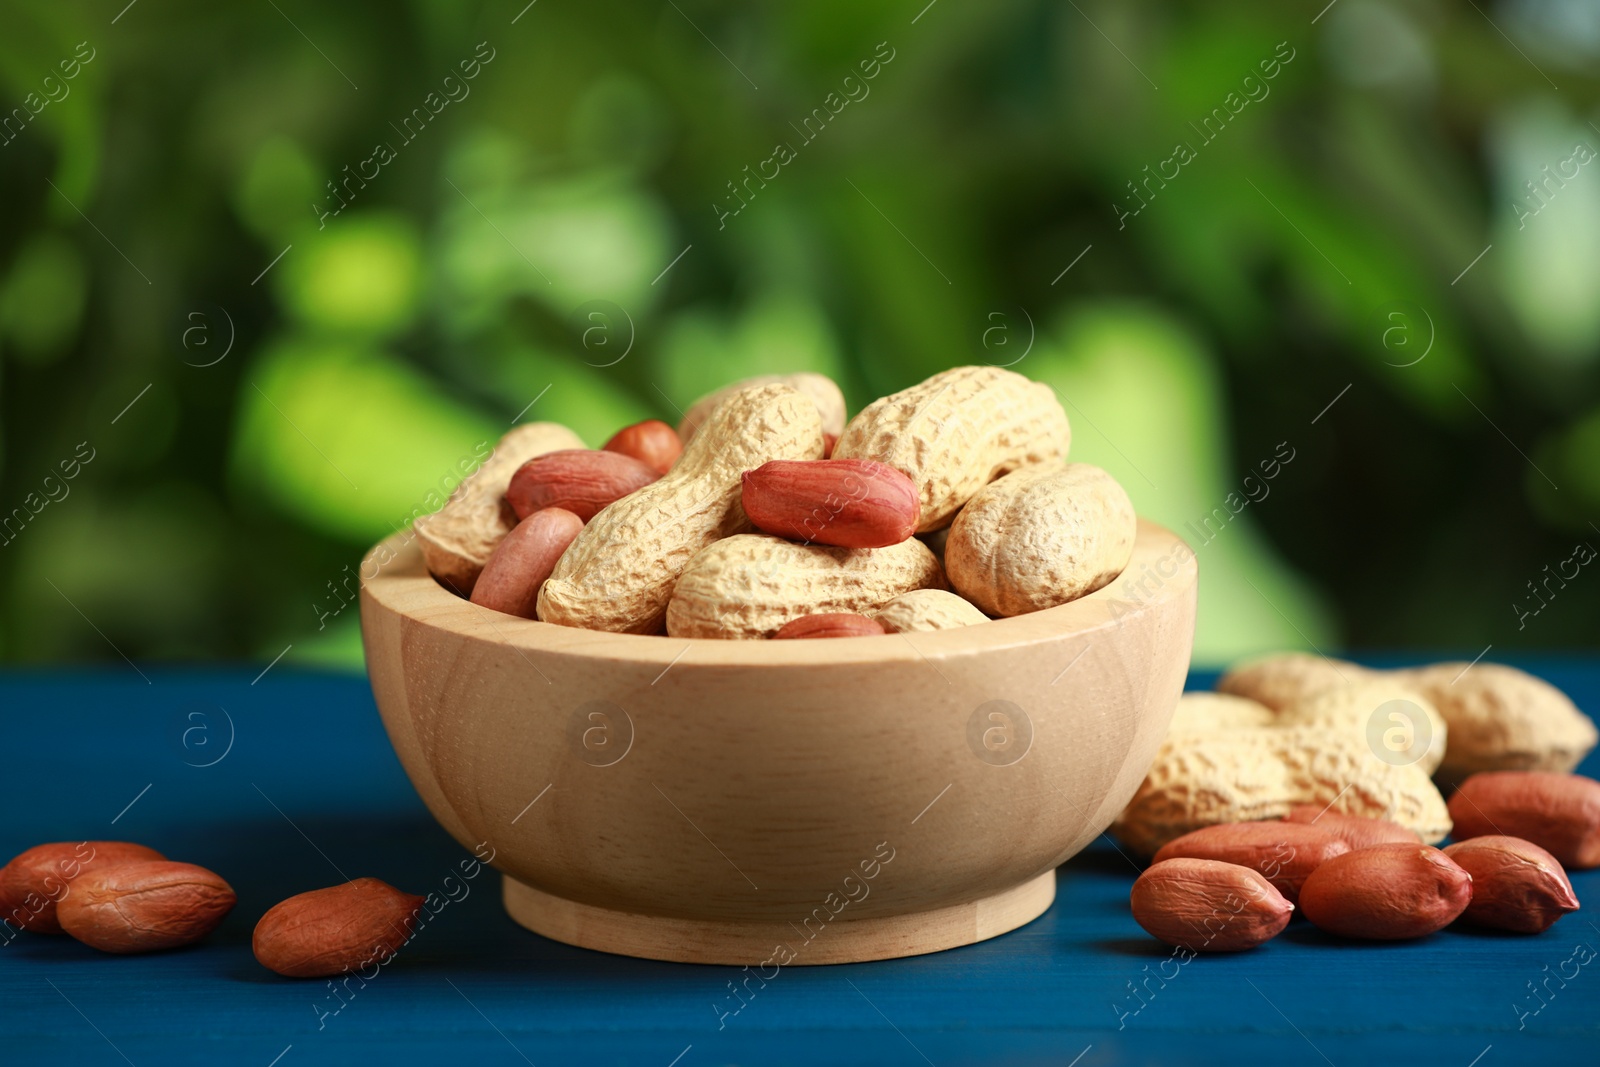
{"x":779,"y":802}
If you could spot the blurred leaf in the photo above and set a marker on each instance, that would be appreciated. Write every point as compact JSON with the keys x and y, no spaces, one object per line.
{"x":778,"y":334}
{"x":41,"y":304}
{"x":350,"y":440}
{"x":362,"y":275}
{"x":1166,"y":445}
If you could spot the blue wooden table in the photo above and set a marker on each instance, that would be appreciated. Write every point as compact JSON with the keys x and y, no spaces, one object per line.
{"x":288,"y":783}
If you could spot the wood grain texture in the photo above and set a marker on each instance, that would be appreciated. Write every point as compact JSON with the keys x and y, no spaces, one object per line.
{"x":738,"y":782}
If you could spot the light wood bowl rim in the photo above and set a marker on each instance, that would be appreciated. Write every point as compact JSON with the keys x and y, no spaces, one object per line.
{"x":402,"y":585}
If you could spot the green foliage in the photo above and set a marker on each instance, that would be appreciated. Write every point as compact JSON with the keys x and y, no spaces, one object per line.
{"x":1368,"y":236}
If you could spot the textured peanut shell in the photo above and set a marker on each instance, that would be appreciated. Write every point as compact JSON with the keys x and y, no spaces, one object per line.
{"x":619,"y":573}
{"x":1502,"y":719}
{"x":1358,"y":709}
{"x":334,"y":930}
{"x":749,"y":585}
{"x":819,"y":387}
{"x":458,"y":538}
{"x":1247,"y":775}
{"x":35,"y":880}
{"x":1040,"y":537}
{"x":1285,"y":853}
{"x":927,"y":609}
{"x":957,"y":432}
{"x":1281,"y":679}
{"x":144,"y":906}
{"x":1386,"y":893}
{"x":1558,"y":812}
{"x":1516,"y":885}
{"x":1208,"y":906}
{"x":1208,"y":713}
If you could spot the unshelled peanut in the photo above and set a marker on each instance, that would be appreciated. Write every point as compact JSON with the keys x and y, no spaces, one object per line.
{"x":749,"y":585}
{"x":1245,"y":775}
{"x":1392,"y":717}
{"x":1209,"y":713}
{"x":1502,"y":719}
{"x":958,"y":431}
{"x":1039,"y":537}
{"x":620,"y":571}
{"x":923,"y":610}
{"x":819,"y":387}
{"x":1279,"y":680}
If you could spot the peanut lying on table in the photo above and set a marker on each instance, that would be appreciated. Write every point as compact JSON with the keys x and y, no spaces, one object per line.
{"x":1329,"y":746}
{"x":1245,"y":775}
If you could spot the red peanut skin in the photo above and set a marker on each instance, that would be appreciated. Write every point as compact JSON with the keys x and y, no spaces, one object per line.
{"x":1357,"y":831}
{"x":35,"y":881}
{"x":652,"y":442}
{"x":580,"y":480}
{"x":847,"y":503}
{"x":146,"y":906}
{"x":1284,"y":853}
{"x":1207,"y":905}
{"x":1516,"y":885}
{"x":1391,"y":892}
{"x":523,"y":559}
{"x":1558,"y":812}
{"x":829,"y":624}
{"x":334,"y":930}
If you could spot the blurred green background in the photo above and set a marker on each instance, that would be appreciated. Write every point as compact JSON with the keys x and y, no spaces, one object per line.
{"x":269,"y":269}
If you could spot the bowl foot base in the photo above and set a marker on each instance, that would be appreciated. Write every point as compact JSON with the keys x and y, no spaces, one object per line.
{"x":756,"y":944}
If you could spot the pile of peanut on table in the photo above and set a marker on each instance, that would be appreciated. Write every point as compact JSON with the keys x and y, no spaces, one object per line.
{"x":1309,"y":783}
{"x":764,"y":514}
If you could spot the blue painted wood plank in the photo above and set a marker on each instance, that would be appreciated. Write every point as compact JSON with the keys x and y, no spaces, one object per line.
{"x":310,"y":791}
